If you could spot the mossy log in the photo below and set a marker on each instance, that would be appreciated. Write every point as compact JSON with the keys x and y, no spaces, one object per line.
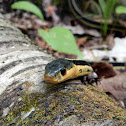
{"x":25,"y":99}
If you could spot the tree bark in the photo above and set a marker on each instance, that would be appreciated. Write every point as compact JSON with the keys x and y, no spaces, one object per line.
{"x":25,"y":99}
{"x":19,"y":60}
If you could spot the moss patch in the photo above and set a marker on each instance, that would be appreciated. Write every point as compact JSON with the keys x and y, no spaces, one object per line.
{"x":86,"y":102}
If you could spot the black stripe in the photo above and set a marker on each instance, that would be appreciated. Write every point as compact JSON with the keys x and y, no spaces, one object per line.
{"x":8,"y":29}
{"x":113,"y":63}
{"x":26,"y":69}
{"x":12,"y":42}
{"x":117,"y":64}
{"x":14,"y":63}
{"x":9,"y":66}
{"x":72,"y":4}
{"x":80,"y":62}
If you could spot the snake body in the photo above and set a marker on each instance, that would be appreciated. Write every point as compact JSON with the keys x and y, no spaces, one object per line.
{"x":78,"y":14}
{"x":60,"y":70}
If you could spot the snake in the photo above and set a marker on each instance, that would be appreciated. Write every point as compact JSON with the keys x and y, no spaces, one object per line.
{"x":60,"y":70}
{"x":79,"y":15}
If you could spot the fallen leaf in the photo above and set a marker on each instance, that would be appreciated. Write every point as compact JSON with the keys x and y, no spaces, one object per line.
{"x":104,"y":69}
{"x":115,"y":87}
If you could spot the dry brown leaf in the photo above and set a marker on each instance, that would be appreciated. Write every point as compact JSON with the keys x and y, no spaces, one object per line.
{"x":81,"y":42}
{"x":110,"y":41}
{"x":40,"y":43}
{"x":104,"y":69}
{"x":115,"y":87}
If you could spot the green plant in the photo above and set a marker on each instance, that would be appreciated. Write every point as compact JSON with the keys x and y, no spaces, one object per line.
{"x":107,"y":8}
{"x":28,"y":6}
{"x":62,"y":40}
{"x":120,"y":10}
{"x":59,"y":38}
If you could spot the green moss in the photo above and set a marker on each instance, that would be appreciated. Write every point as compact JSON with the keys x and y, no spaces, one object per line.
{"x":89,"y":103}
{"x":33,"y":42}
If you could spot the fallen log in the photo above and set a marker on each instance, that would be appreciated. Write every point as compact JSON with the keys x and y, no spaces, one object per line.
{"x":25,"y":99}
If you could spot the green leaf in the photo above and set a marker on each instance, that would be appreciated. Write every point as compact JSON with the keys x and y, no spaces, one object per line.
{"x":28,"y":6}
{"x":121,"y":10}
{"x":62,"y":40}
{"x":102,"y":5}
{"x":110,"y":8}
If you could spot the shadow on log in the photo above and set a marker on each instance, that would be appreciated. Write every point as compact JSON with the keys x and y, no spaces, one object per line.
{"x":25,"y":99}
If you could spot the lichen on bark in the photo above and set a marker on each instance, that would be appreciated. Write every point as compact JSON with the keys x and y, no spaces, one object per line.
{"x":86,"y":103}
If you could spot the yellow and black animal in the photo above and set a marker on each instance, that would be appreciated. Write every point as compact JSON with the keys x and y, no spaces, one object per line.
{"x":60,"y":70}
{"x":90,"y":22}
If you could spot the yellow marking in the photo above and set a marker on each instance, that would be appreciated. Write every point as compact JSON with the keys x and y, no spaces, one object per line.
{"x":76,"y":71}
{"x":69,"y":75}
{"x":86,"y":20}
{"x":119,"y":67}
{"x":82,"y":70}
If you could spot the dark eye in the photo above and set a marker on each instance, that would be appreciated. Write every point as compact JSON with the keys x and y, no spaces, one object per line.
{"x":88,"y":70}
{"x":63,"y":72}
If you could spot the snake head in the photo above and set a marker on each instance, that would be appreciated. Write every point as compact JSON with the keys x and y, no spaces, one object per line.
{"x":57,"y":70}
{"x":60,"y":70}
